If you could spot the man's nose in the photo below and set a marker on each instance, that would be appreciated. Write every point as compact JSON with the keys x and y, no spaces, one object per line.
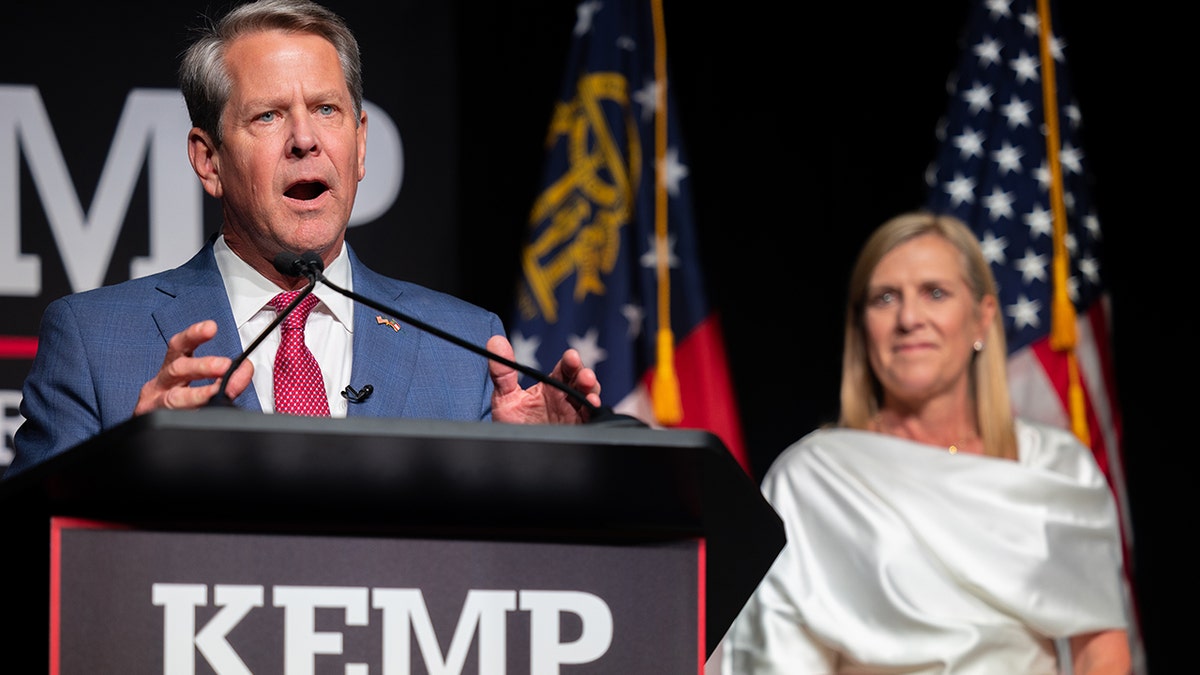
{"x":304,"y":138}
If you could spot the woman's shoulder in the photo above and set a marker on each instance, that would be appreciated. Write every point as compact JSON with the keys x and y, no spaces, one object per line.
{"x":1041,"y":436}
{"x":1052,"y":447}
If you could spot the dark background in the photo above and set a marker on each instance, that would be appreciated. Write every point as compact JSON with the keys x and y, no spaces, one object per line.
{"x":807,"y":125}
{"x":810,"y":125}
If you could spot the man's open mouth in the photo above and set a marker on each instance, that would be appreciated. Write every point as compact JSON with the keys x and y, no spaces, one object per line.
{"x":306,"y":190}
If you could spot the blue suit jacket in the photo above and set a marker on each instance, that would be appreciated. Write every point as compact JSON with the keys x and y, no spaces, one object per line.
{"x":96,"y":349}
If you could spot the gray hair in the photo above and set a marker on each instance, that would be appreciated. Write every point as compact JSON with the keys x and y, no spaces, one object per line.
{"x":204,"y":79}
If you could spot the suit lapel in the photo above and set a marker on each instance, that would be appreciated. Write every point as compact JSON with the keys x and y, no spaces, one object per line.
{"x":195,"y":292}
{"x":385,"y":351}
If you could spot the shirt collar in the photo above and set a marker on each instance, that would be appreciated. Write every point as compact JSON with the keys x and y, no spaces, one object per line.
{"x":249,"y":292}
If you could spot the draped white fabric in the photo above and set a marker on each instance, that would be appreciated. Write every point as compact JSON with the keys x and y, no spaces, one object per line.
{"x":903,"y":558}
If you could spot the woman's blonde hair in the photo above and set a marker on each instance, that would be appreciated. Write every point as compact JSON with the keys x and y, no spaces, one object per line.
{"x":861,"y":391}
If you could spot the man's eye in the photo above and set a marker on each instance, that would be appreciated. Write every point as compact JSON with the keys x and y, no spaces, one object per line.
{"x":326,"y":110}
{"x":266,"y":117}
{"x":937,"y":293}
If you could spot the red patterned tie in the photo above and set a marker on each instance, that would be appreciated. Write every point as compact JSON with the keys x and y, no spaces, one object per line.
{"x":299,"y":386}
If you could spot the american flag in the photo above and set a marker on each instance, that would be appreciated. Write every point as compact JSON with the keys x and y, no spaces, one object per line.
{"x":612,"y":266}
{"x":1034,"y":218}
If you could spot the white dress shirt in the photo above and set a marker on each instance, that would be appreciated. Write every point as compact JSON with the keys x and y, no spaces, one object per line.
{"x":329,"y":331}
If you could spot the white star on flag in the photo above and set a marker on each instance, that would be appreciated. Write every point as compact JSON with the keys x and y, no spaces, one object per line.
{"x":588,"y":346}
{"x":525,"y":349}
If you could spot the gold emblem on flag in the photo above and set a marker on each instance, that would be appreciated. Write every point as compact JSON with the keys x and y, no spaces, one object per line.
{"x":578,"y":217}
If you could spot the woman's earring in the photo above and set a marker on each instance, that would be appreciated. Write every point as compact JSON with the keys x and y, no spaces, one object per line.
{"x":978,"y":345}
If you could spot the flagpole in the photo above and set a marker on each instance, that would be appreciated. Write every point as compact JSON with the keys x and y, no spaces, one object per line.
{"x":668,"y":408}
{"x":1062,"y":315}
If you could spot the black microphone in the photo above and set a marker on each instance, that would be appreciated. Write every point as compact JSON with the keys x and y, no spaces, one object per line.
{"x":310,"y":265}
{"x":291,"y":265}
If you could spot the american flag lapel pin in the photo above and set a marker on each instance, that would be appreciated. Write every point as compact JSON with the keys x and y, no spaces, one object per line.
{"x":380,"y":319}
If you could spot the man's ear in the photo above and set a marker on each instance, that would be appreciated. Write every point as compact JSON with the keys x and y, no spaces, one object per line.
{"x":206,"y":161}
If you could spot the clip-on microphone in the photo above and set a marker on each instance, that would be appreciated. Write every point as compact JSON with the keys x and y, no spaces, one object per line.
{"x":357,"y":395}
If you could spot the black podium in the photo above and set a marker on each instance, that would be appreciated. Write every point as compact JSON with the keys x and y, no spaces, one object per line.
{"x":661,"y":513}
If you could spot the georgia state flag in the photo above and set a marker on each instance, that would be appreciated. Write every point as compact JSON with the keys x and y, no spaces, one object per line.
{"x":611,"y":267}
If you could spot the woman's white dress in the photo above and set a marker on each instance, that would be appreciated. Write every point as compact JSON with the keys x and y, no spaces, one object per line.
{"x":904,"y":558}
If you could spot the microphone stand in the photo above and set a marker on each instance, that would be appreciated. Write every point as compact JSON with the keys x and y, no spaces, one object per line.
{"x":310,"y":265}
{"x":221,"y":399}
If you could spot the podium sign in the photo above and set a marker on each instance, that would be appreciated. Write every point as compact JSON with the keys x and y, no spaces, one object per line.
{"x":182,"y":603}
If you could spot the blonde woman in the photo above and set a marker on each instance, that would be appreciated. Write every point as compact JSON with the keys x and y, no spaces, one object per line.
{"x":929,"y":531}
